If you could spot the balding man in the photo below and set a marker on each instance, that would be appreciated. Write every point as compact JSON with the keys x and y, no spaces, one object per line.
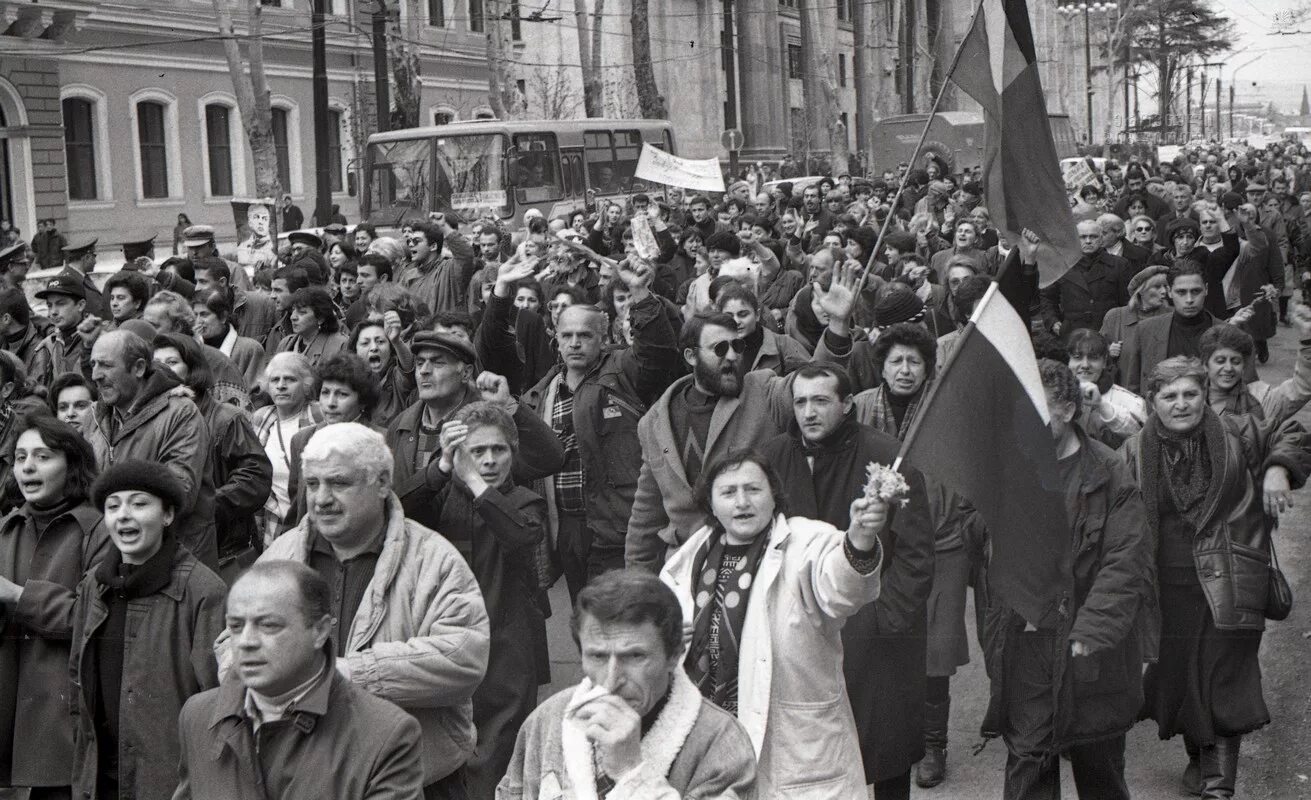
{"x":285,"y":693}
{"x":1116,"y":244}
{"x":1096,"y":283}
{"x":593,"y":402}
{"x":410,"y":623}
{"x":139,"y":416}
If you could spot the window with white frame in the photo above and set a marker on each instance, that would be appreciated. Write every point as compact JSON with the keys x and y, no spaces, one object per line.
{"x":437,"y":13}
{"x":156,"y":149}
{"x":218,"y":149}
{"x":85,"y":113}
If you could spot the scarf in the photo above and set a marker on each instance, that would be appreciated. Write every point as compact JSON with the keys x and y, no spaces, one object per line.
{"x":727,"y":606}
{"x":1185,"y":463}
{"x":43,"y":515}
{"x":884,"y":416}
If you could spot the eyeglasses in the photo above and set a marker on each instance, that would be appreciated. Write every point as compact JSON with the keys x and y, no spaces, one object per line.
{"x":720,"y":349}
{"x":1144,"y":229}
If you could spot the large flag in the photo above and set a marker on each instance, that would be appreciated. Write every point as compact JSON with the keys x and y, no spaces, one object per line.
{"x":997,"y":66}
{"x":983,"y":432}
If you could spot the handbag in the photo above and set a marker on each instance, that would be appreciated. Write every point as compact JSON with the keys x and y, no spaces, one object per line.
{"x":1279,"y":595}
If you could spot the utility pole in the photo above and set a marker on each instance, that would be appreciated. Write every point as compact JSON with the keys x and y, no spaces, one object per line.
{"x":1201,"y":105}
{"x":1188,"y":104}
{"x":322,"y":161}
{"x":730,"y":80}
{"x":381,"y":88}
{"x":1087,"y":70}
{"x":1219,"y":131}
{"x":1126,"y":94}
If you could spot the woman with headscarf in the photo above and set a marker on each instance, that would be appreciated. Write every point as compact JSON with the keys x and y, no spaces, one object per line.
{"x":1200,"y":476}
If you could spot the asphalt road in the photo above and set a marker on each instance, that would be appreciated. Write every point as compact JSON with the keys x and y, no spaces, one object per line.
{"x":1276,"y":761}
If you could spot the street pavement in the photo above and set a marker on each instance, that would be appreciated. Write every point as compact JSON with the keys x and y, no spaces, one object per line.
{"x":1275,"y":762}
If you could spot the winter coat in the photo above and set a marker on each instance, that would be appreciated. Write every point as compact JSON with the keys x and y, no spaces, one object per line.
{"x":253,"y":314}
{"x":241,"y":473}
{"x":540,"y":452}
{"x":1110,"y":580}
{"x":441,"y":283}
{"x":168,"y":429}
{"x":1259,"y":263}
{"x":665,"y":512}
{"x":1216,"y":264}
{"x":166,"y":659}
{"x":344,"y":744}
{"x":36,"y":734}
{"x":1232,"y":545}
{"x":792,"y":698}
{"x":246,"y":354}
{"x":1274,"y":404}
{"x":1083,"y":296}
{"x":318,"y":348}
{"x":885,"y":643}
{"x":780,"y":354}
{"x":608,"y":405}
{"x":419,"y":638}
{"x":694,"y":749}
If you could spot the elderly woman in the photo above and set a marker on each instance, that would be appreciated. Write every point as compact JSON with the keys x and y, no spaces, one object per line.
{"x":1227,"y":351}
{"x":241,"y":471}
{"x":766,"y":597}
{"x":1199,"y":475}
{"x":45,"y":547}
{"x":313,"y":325}
{"x":1148,"y":294}
{"x":144,"y":624}
{"x":290,"y":383}
{"x":1110,"y":413}
{"x":1141,"y":230}
{"x":496,"y":525}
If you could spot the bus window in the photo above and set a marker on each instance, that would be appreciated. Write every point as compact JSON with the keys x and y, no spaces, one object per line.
{"x":471,"y":175}
{"x":601,"y":163}
{"x":398,"y":177}
{"x":628,"y":148}
{"x":538,"y":161}
{"x":575,"y":167}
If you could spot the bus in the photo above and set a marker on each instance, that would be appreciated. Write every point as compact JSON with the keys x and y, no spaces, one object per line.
{"x":501,"y":168}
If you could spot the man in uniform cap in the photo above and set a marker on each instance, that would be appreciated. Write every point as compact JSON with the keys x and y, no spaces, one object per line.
{"x":303,"y":240}
{"x":199,"y":241}
{"x":139,"y":244}
{"x":14,"y":263}
{"x":80,"y":256}
{"x":61,"y":351}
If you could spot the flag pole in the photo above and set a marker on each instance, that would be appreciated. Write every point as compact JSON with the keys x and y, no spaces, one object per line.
{"x":924,"y":135}
{"x":965,"y":333}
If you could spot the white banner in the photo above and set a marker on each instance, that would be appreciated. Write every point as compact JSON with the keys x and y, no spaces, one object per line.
{"x":703,"y":175}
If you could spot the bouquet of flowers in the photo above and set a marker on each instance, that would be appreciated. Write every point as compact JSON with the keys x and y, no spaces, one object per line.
{"x":886,"y":485}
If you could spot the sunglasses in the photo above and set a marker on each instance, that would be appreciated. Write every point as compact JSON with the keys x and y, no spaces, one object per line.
{"x":1144,"y":229}
{"x":720,"y":349}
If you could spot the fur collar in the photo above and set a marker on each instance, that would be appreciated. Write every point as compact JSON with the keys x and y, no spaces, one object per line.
{"x":660,"y":746}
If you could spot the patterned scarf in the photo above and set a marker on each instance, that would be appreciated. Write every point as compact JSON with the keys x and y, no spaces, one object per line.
{"x":722,"y":606}
{"x":1185,"y":463}
{"x":884,"y":419}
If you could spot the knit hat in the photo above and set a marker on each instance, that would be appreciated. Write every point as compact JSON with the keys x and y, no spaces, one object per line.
{"x":1231,"y":200}
{"x":898,"y":305}
{"x":1180,"y":224}
{"x":140,"y":475}
{"x":1138,"y":281}
{"x":723,"y":240}
{"x":903,"y":242}
{"x":940,"y":188}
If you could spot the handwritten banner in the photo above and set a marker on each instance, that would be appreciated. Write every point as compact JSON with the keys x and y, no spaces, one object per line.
{"x":703,"y":175}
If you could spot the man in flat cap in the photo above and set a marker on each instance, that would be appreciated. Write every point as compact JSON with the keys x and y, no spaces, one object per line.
{"x":80,"y":257}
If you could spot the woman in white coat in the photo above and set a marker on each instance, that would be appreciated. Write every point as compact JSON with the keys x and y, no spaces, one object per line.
{"x":765,"y":598}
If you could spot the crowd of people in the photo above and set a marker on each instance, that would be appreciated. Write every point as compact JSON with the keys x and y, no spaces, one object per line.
{"x":289,"y":533}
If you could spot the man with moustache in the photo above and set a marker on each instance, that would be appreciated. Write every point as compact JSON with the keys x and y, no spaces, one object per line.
{"x":717,"y":409}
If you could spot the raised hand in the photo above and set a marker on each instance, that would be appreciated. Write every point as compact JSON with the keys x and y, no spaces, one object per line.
{"x":451,"y":438}
{"x":494,"y":388}
{"x":1028,"y":246}
{"x":391,"y":325}
{"x":839,"y":299}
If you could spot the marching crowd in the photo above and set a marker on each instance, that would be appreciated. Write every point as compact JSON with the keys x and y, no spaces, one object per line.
{"x":288,"y":531}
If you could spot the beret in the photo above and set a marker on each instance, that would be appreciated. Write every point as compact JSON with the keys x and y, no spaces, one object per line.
{"x":139,"y":475}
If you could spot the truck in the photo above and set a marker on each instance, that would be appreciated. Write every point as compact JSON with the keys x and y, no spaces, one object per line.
{"x":955,"y":140}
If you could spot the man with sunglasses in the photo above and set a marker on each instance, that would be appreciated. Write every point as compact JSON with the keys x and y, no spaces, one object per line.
{"x":719,"y":408}
{"x":440,"y":282}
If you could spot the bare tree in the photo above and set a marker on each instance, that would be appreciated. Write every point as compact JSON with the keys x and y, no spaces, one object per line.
{"x":502,"y":94}
{"x":819,"y":85}
{"x":589,"y":54}
{"x":552,"y":94}
{"x":252,"y":92}
{"x":649,"y":99}
{"x":403,"y":61}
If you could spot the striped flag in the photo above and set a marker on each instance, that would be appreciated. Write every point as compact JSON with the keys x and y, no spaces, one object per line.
{"x":997,"y":66}
{"x":983,"y":432}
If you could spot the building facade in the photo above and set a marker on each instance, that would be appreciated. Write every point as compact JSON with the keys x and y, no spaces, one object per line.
{"x":118,"y":117}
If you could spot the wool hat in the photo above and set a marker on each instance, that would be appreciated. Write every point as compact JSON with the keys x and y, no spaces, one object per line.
{"x":898,"y":306}
{"x":1231,"y":200}
{"x":723,"y":240}
{"x":140,"y":475}
{"x":902,"y":241}
{"x":1180,"y":224}
{"x":1138,"y":281}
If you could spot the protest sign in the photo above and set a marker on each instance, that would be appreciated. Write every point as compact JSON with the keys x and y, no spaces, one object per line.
{"x":701,"y":174}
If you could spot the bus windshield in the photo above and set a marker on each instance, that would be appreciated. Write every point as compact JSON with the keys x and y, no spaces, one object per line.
{"x":398,"y":178}
{"x":471,"y":175}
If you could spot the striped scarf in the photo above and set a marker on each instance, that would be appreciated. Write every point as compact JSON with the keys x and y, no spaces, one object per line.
{"x":884,"y":419}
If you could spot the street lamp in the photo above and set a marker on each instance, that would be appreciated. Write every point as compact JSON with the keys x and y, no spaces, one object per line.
{"x":1087,"y":9}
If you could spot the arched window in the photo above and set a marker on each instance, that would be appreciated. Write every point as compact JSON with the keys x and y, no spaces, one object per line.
{"x":152,"y":140}
{"x":218,"y":149}
{"x":80,"y":148}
